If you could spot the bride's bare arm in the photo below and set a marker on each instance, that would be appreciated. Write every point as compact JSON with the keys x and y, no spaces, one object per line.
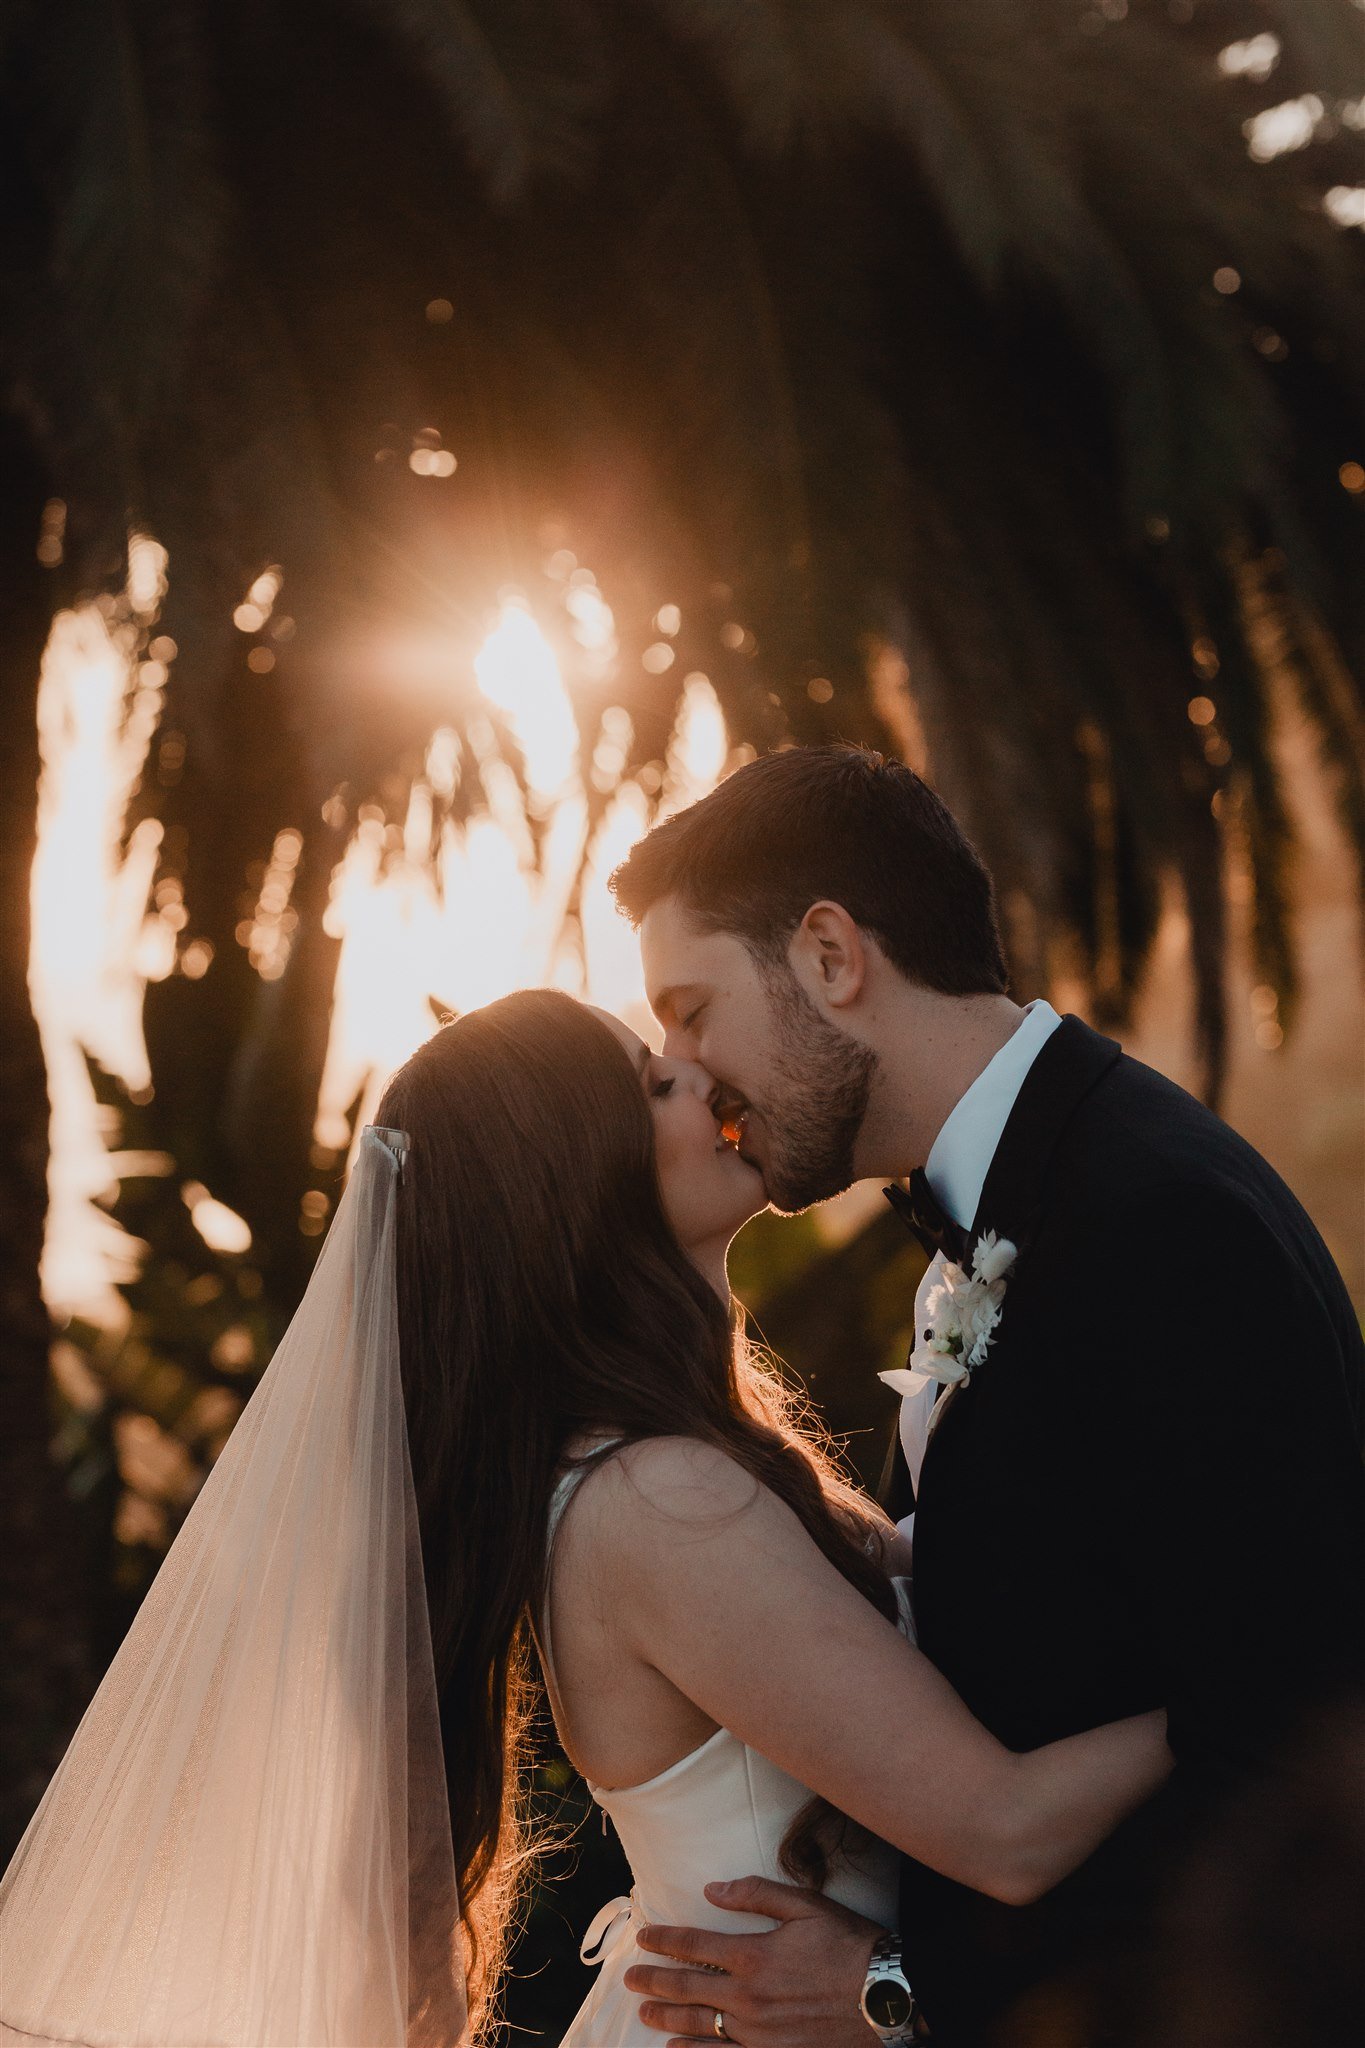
{"x":724,"y":1593}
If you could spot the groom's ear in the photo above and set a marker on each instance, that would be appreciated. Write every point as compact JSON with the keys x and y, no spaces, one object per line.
{"x":828,"y":955}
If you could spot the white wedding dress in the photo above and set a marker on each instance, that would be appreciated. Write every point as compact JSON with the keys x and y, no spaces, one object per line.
{"x":721,"y":1811}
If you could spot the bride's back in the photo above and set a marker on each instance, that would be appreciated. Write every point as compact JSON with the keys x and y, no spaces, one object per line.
{"x":691,"y":1803}
{"x":619,"y":1719}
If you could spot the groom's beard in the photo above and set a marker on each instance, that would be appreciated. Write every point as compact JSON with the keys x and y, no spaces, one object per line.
{"x":815,"y":1106}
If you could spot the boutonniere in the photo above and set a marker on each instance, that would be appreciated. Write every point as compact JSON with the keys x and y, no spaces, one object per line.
{"x":961,"y":1314}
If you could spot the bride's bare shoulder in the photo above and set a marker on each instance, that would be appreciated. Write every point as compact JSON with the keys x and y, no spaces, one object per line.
{"x":659,"y":1488}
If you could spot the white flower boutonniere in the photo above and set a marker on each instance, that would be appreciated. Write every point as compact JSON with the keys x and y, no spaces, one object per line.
{"x":962,"y":1313}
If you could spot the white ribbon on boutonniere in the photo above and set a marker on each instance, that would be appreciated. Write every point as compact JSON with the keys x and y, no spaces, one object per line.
{"x":958,"y":1321}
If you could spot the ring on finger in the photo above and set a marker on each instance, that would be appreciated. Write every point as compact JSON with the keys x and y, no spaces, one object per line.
{"x":718,"y":2027}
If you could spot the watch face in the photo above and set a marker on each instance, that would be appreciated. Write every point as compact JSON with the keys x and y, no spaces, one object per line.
{"x":888,"y":2003}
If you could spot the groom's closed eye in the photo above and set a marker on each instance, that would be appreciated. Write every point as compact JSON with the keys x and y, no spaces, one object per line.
{"x":670,"y":1003}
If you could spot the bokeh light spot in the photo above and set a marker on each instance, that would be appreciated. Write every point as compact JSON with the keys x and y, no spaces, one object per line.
{"x":1345,"y":204}
{"x":221,"y":1228}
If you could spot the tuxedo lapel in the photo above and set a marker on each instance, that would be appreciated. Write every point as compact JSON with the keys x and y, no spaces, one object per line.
{"x":1065,"y":1071}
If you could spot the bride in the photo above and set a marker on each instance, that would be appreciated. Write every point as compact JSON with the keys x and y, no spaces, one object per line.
{"x":247,"y":1842}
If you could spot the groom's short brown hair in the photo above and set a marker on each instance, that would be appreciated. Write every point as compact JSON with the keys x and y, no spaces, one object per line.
{"x":836,"y":823}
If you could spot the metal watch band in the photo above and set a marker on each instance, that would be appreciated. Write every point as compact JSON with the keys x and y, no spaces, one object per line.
{"x":886,"y":1973}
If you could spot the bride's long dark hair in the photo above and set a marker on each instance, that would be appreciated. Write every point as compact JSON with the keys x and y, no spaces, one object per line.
{"x":542,"y":1296}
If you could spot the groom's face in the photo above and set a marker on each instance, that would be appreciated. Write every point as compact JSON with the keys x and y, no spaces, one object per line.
{"x":801,"y":1084}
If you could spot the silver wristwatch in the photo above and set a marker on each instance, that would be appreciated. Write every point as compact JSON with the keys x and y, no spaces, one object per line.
{"x":888,"y":2003}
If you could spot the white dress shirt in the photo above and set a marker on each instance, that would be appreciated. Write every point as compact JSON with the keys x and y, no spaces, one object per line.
{"x":961,"y":1158}
{"x":956,"y":1170}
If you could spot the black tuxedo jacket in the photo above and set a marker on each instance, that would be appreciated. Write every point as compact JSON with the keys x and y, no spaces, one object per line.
{"x":1151,"y":1494}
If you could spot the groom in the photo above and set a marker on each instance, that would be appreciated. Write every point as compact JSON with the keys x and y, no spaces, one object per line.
{"x":1147,"y":1491}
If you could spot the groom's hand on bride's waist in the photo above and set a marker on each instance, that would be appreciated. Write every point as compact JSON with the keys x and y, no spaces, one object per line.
{"x":795,"y":1986}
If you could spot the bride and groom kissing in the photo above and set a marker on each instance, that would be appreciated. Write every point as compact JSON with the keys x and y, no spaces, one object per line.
{"x":915,"y":1771}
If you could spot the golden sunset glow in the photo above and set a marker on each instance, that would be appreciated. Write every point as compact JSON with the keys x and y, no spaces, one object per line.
{"x":487,"y":912}
{"x":517,"y":672}
{"x":487,"y":917}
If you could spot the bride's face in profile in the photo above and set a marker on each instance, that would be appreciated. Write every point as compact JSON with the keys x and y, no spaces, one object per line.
{"x":708,"y":1190}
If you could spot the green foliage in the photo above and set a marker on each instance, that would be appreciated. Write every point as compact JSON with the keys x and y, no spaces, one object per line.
{"x":147,"y":1405}
{"x":836,"y":1317}
{"x":770,"y":1253}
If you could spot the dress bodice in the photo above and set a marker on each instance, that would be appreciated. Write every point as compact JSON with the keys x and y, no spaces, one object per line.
{"x":721,"y":1811}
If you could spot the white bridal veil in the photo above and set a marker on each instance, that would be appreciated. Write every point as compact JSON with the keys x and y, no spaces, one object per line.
{"x":247,"y":1843}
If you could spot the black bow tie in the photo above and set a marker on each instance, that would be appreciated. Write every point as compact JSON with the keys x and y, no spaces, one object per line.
{"x":922,"y":1212}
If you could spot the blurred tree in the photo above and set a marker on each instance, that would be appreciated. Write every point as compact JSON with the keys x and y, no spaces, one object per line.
{"x":953,"y":367}
{"x":45,"y":1672}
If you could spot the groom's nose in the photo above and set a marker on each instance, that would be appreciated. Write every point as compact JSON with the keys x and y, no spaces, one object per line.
{"x":698,"y":1080}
